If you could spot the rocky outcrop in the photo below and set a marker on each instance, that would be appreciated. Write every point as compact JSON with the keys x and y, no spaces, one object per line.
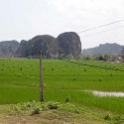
{"x":69,"y":43}
{"x":47,"y":44}
{"x":22,"y":50}
{"x":66,"y":43}
{"x":8,"y":48}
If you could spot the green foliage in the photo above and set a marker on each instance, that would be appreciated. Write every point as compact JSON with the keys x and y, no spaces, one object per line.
{"x":53,"y":105}
{"x":61,"y":56}
{"x":31,"y":108}
{"x":69,"y":57}
{"x":117,"y":119}
{"x":36,"y":111}
{"x":108,"y":117}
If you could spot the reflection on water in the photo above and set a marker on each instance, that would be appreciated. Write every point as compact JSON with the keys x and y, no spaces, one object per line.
{"x":102,"y":93}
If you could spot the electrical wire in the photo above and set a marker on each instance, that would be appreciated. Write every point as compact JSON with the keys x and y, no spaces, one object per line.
{"x":101,"y":26}
{"x":103,"y":31}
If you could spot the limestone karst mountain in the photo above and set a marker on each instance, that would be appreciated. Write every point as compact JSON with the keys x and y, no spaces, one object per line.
{"x":65,"y":44}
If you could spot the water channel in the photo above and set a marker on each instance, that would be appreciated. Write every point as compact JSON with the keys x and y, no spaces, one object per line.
{"x":102,"y":93}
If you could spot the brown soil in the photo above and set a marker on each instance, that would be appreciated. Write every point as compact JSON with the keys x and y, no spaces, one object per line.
{"x":48,"y":117}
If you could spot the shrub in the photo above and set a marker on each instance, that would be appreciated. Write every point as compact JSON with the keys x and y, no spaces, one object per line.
{"x":108,"y":117}
{"x":36,"y":111}
{"x":53,"y":105}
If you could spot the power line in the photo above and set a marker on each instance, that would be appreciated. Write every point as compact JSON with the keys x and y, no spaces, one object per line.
{"x":101,"y":26}
{"x":103,"y":31}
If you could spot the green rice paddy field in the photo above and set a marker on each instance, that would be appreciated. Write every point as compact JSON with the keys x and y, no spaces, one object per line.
{"x":62,"y":80}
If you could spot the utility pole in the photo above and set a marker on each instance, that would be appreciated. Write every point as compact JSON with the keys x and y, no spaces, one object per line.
{"x":41,"y":81}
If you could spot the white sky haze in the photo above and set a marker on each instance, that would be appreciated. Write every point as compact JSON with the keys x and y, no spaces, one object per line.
{"x":24,"y":19}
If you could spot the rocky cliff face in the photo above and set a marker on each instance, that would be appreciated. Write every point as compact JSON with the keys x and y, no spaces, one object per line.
{"x":22,"y":50}
{"x":69,"y":43}
{"x":66,"y":43}
{"x":47,"y":44}
{"x":8,"y":48}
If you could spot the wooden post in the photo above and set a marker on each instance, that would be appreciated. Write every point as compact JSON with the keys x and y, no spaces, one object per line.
{"x":41,"y":81}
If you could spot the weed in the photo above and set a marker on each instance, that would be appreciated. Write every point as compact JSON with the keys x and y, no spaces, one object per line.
{"x":53,"y":105}
{"x":111,"y":74}
{"x":36,"y":110}
{"x":108,"y":117}
{"x":93,"y":79}
{"x":100,"y":79}
{"x":74,"y":79}
{"x":67,"y":99}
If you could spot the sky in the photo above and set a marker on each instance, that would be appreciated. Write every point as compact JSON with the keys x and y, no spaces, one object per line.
{"x":24,"y":19}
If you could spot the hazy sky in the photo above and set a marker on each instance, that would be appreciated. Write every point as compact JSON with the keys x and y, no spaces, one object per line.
{"x":24,"y":19}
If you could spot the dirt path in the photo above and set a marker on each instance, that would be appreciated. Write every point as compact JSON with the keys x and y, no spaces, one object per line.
{"x":49,"y":118}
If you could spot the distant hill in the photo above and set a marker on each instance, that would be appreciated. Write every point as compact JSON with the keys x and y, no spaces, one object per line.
{"x":8,"y":48}
{"x":64,"y":45}
{"x":113,"y":49}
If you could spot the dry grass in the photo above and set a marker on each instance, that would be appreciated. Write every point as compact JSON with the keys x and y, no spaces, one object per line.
{"x":49,"y":117}
{"x":54,"y":116}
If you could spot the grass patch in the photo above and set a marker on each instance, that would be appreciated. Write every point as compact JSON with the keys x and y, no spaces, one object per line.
{"x":63,"y":110}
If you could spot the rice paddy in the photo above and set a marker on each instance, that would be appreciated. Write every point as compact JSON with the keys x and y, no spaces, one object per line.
{"x":19,"y":82}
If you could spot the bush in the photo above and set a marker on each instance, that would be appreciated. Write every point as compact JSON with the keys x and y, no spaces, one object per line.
{"x":108,"y":117}
{"x":53,"y":105}
{"x":36,"y":111}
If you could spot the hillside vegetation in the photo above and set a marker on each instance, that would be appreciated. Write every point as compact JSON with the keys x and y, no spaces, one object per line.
{"x":112,"y":49}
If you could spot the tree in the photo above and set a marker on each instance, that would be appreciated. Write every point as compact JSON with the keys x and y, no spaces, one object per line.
{"x":61,"y":56}
{"x":100,"y":57}
{"x":87,"y":57}
{"x":106,"y":56}
{"x":69,"y":56}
